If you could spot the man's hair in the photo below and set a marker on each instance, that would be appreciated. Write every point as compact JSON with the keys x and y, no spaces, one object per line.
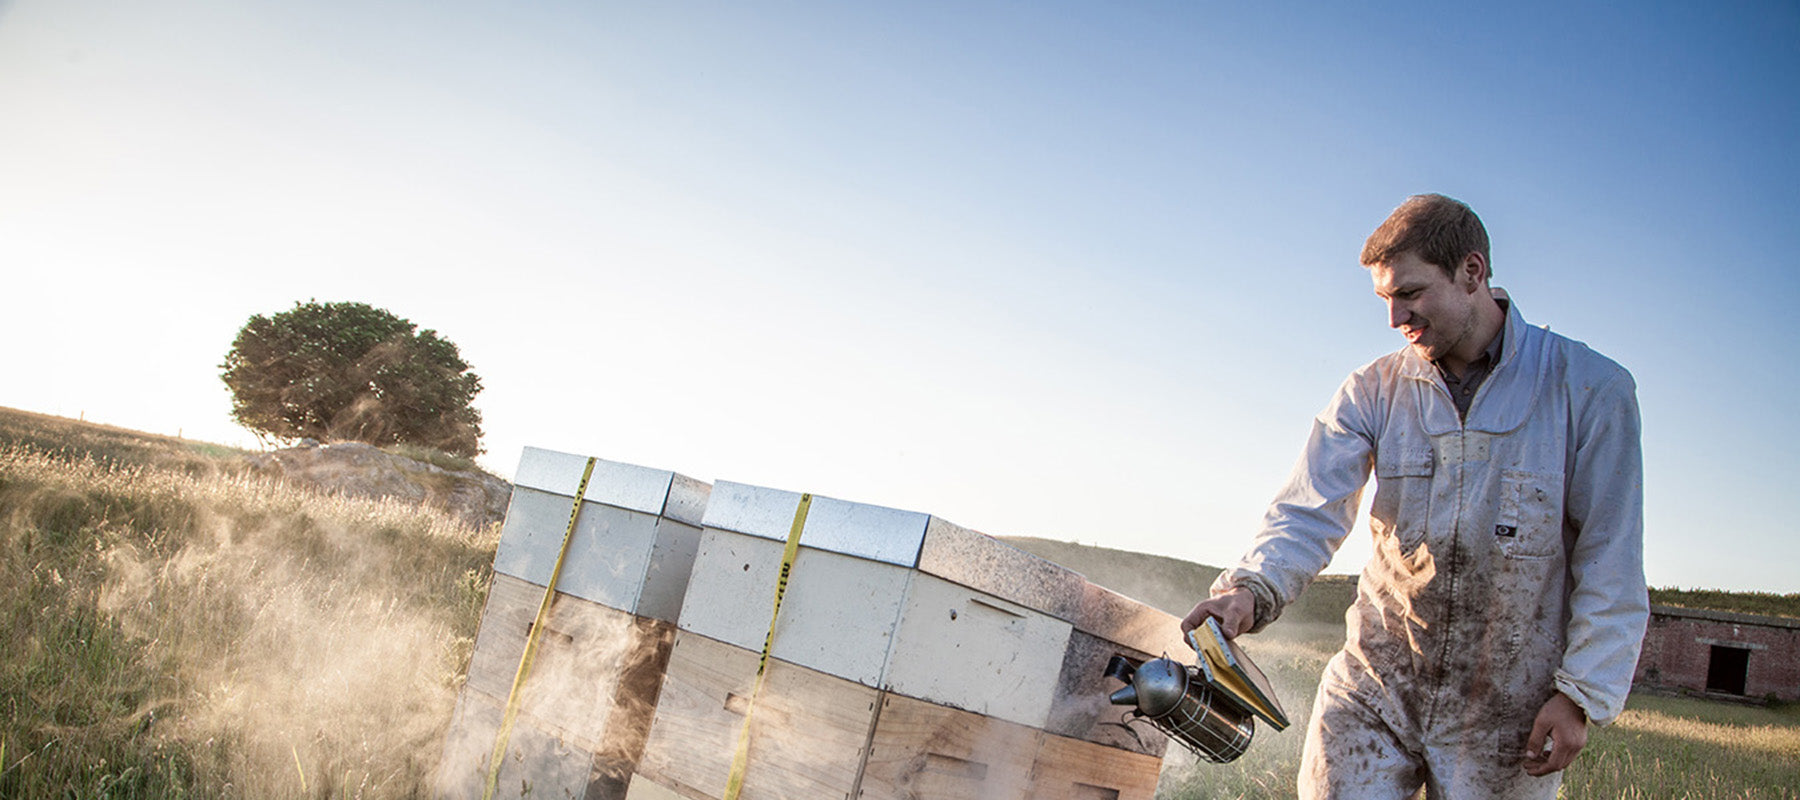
{"x":1438,"y":229}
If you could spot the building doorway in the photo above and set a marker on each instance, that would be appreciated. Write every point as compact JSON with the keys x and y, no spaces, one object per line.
{"x":1725,"y":673}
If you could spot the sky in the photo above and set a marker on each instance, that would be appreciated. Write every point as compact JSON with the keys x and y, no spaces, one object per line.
{"x":1079,"y":271}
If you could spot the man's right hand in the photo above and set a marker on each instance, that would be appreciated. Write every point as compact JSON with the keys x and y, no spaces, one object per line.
{"x":1235,"y":609}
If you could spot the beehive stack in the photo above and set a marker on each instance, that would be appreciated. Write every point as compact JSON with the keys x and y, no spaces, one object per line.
{"x":911,"y":658}
{"x":585,"y":707}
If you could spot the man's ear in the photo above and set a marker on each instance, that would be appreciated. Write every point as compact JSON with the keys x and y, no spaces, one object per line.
{"x":1473,"y":272}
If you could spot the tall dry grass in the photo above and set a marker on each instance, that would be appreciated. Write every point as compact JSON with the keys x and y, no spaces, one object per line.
{"x":1680,"y":747}
{"x":187,"y":631}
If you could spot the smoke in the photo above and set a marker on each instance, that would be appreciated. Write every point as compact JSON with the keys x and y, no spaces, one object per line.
{"x":584,"y":709}
{"x":304,"y":645}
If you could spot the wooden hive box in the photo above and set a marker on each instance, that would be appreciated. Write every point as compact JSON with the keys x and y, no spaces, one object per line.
{"x":808,"y":729}
{"x":921,"y":750}
{"x":814,"y":735}
{"x":586,"y":707}
{"x":539,"y":762}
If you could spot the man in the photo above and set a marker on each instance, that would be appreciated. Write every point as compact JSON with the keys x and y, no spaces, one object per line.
{"x":1504,"y":605}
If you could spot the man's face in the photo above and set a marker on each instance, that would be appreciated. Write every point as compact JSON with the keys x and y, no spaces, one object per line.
{"x":1434,"y":312}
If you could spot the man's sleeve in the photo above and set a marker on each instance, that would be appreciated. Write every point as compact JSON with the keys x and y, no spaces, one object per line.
{"x":1313,"y":512}
{"x":1608,"y":602}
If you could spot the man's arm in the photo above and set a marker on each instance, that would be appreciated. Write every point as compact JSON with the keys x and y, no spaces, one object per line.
{"x":1608,"y":602}
{"x":1304,"y":525}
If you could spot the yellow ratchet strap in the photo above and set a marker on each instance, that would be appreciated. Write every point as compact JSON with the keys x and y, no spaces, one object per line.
{"x":741,"y":759}
{"x":531,"y":641}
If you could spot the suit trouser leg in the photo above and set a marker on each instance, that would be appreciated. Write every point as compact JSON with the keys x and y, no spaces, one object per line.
{"x":1351,"y":753}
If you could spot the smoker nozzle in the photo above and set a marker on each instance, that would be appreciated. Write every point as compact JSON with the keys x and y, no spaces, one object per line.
{"x":1124,"y":697}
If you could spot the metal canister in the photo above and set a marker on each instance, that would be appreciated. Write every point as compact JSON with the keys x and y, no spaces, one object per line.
{"x":1174,"y":697}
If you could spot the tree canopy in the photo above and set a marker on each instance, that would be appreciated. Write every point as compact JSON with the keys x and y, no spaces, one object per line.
{"x":352,"y":372}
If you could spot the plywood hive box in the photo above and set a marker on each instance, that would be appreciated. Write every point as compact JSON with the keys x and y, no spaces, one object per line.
{"x":912,"y":658}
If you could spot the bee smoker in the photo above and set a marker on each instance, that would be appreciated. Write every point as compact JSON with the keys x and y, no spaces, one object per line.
{"x":1181,"y":704}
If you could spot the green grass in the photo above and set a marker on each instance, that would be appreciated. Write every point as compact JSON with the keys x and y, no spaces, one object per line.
{"x":1766,"y":603}
{"x":173,"y":627}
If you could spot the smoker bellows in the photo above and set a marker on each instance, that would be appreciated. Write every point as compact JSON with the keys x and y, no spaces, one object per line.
{"x":911,"y":657}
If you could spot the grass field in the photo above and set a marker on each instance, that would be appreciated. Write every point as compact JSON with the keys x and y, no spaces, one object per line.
{"x":1678,"y":747}
{"x":173,"y":627}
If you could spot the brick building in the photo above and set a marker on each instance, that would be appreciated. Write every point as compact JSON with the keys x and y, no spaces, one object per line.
{"x":1721,"y":654}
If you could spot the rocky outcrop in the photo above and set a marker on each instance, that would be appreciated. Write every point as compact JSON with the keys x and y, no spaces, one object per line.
{"x":355,"y":469}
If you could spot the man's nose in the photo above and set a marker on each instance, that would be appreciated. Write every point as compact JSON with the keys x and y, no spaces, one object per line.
{"x":1397,"y":314}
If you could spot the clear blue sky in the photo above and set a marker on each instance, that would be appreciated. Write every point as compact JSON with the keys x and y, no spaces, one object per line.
{"x":1077,"y":271}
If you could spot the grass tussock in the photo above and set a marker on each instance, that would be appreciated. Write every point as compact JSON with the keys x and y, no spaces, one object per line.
{"x":178,"y":629}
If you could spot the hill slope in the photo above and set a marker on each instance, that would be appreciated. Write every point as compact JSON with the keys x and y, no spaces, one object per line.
{"x":1170,"y":584}
{"x":350,"y":469}
{"x":1174,"y":585}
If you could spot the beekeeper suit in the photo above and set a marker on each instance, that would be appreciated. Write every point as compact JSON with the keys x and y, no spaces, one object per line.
{"x":1506,"y":590}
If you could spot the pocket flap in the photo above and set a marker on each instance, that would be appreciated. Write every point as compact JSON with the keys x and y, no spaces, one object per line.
{"x":1405,"y":462}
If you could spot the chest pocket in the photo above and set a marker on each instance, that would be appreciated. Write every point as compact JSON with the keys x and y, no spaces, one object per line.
{"x":1402,"y":505}
{"x":1529,"y":522}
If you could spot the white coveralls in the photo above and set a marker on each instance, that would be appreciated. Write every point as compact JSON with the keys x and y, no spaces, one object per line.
{"x":1508,"y":565}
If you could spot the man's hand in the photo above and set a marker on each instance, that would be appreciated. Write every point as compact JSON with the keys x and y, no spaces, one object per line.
{"x":1236,"y":610}
{"x":1564,"y":724}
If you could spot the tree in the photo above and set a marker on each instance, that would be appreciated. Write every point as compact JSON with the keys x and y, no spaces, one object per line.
{"x":351,"y":372}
